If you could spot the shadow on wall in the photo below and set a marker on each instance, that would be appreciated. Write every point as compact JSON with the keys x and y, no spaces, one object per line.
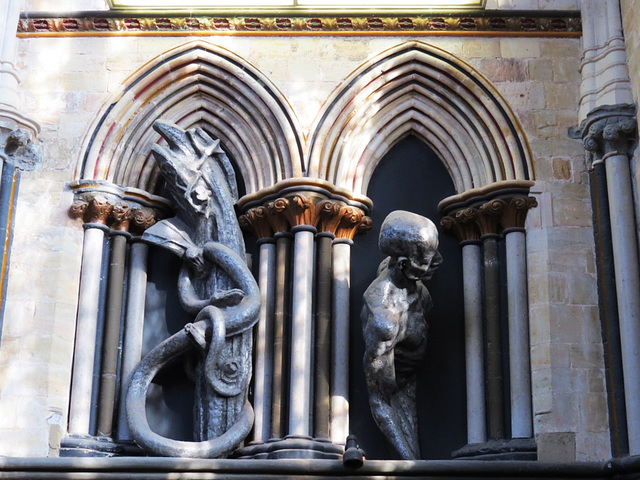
{"x":411,"y":177}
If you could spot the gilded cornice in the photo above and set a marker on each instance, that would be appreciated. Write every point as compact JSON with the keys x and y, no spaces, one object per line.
{"x":459,"y":23}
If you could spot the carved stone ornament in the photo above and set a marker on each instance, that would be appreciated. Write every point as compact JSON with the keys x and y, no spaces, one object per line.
{"x":394,"y":323}
{"x":19,"y":151}
{"x":115,"y":214}
{"x":610,"y":130}
{"x":216,"y":286}
{"x":284,"y":213}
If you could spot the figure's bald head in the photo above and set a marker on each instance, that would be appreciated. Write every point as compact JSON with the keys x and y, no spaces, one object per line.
{"x":402,"y":231}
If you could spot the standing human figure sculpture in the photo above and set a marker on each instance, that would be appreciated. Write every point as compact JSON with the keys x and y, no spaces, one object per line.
{"x":394,"y":324}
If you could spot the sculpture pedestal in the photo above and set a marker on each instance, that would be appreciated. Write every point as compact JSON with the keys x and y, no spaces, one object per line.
{"x":291,"y":446}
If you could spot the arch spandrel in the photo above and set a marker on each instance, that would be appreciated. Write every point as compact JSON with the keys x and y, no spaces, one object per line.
{"x":195,"y":84}
{"x":483,"y":141}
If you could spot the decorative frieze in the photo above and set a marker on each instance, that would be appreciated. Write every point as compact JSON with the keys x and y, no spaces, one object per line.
{"x":568,"y":24}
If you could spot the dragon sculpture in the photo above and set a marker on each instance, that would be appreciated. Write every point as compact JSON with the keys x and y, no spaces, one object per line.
{"x":216,"y":286}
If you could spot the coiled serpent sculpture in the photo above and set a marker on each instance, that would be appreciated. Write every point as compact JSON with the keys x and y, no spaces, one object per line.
{"x":216,"y":286}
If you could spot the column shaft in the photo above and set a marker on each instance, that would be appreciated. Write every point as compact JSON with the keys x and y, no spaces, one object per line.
{"x":474,"y":351}
{"x":9,"y":183}
{"x":301,"y":333}
{"x":133,"y":328}
{"x":519,"y":356}
{"x":625,"y":253}
{"x":263,"y":374}
{"x":321,"y":416}
{"x":281,"y":335}
{"x":111,"y":337}
{"x":85,"y":341}
{"x":493,"y":339}
{"x":340,"y":341}
{"x":609,"y":308}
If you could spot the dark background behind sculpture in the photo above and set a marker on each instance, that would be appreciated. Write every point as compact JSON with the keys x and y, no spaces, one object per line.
{"x":411,"y":177}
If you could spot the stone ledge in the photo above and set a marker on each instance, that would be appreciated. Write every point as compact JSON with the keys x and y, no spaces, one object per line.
{"x":151,"y":468}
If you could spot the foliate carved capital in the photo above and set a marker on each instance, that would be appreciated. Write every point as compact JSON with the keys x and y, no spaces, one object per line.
{"x":117,"y":215}
{"x":327,"y":215}
{"x":256,"y":222}
{"x":488,"y":218}
{"x":301,"y":211}
{"x":352,"y":221}
{"x":462,"y":224}
{"x":276,"y":216}
{"x":609,"y":131}
{"x":515,"y":212}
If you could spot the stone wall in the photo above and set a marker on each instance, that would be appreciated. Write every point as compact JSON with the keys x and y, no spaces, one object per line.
{"x":67,"y":80}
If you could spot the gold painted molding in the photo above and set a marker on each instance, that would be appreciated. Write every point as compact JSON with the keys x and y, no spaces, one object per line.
{"x":567,"y":24}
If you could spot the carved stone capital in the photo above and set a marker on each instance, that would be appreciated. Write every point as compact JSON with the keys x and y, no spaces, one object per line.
{"x":352,"y":221}
{"x":610,"y":130}
{"x":143,"y":218}
{"x":515,"y":211}
{"x":488,"y":210}
{"x":301,"y":211}
{"x":98,"y":210}
{"x":256,"y":222}
{"x":121,"y":216}
{"x":329,"y":215}
{"x":489,"y":215}
{"x":117,"y":215}
{"x":276,"y":216}
{"x":462,"y":224}
{"x":310,"y":202}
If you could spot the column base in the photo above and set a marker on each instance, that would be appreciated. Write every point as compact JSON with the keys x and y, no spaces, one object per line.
{"x":90,"y":446}
{"x":291,"y":446}
{"x":507,"y":449}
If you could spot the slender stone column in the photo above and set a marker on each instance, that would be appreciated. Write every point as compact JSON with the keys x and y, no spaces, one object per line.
{"x":339,"y":428}
{"x":488,"y":223}
{"x":322,"y":366}
{"x":120,"y":215}
{"x":262,"y":392}
{"x":97,"y":211}
{"x":462,"y":225}
{"x":513,"y":219}
{"x":256,"y":221}
{"x":608,"y":307}
{"x":281,"y":334}
{"x":134,"y":326}
{"x":143,"y":218}
{"x":301,"y":331}
{"x":610,"y":134}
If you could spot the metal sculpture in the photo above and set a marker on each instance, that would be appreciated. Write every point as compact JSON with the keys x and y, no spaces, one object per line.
{"x":395,"y":326}
{"x":216,"y":286}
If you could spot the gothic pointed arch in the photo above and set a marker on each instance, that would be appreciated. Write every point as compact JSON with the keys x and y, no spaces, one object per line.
{"x":418,"y":89}
{"x":194,"y":85}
